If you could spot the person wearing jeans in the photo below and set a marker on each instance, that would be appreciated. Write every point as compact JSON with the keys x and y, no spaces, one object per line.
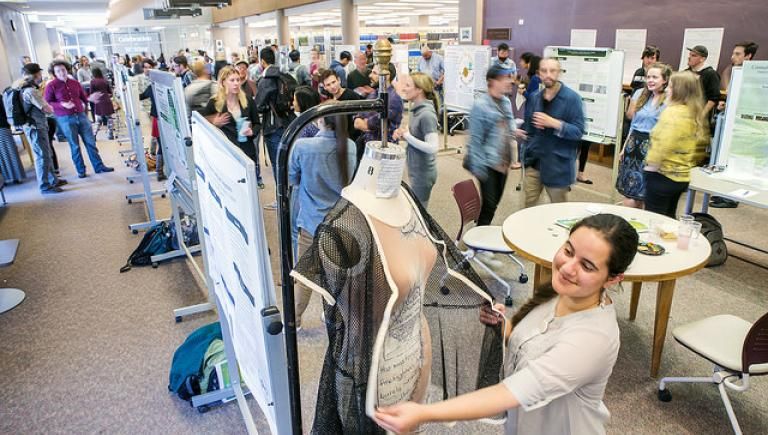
{"x":489,"y":149}
{"x":273,"y":123}
{"x":554,"y":125}
{"x":69,"y":102}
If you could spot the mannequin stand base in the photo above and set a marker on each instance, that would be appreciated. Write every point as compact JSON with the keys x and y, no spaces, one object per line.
{"x":10,"y":298}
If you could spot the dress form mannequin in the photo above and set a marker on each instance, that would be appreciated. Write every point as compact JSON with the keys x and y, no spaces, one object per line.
{"x":402,"y":355}
{"x":375,"y":190}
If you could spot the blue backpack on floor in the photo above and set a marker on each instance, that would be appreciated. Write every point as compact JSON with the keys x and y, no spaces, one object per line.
{"x":158,"y":240}
{"x":187,"y":365}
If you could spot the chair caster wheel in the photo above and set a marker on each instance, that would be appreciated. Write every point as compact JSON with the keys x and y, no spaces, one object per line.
{"x":665,"y":395}
{"x":135,"y":231}
{"x":130,"y":201}
{"x":508,"y":301}
{"x":162,"y":196}
{"x":178,"y":319}
{"x":130,"y":181}
{"x":523,"y":278}
{"x":154,"y":265}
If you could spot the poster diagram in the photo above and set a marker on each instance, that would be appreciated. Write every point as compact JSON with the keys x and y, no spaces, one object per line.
{"x":171,"y":110}
{"x":465,"y":68}
{"x":596,"y":74}
{"x":748,"y":138}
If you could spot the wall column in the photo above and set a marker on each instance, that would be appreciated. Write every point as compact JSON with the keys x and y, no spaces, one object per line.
{"x":350,"y":24}
{"x":471,"y":15}
{"x":242,"y":29}
{"x":283,"y":32}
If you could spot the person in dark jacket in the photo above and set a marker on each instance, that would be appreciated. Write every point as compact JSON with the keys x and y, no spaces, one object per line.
{"x":235,"y":115}
{"x":101,"y":97}
{"x":274,"y":123}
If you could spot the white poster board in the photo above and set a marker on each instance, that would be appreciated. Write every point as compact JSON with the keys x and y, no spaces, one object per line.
{"x":745,"y":134}
{"x":132,"y":99}
{"x":583,"y":37}
{"x":712,"y":38}
{"x":238,"y":263}
{"x":596,"y":75}
{"x":632,"y":43}
{"x":400,"y":58}
{"x":173,"y":123}
{"x":465,"y":68}
{"x":305,"y":54}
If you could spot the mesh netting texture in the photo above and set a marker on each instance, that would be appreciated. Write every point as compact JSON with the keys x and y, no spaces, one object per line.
{"x":345,"y":261}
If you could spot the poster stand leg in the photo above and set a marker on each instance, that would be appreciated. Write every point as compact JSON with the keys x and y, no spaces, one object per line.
{"x":138,"y":148}
{"x":617,"y":149}
{"x":446,"y":149}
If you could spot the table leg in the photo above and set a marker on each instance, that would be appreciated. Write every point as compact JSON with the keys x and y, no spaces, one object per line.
{"x":636,"y":287}
{"x":663,"y":306}
{"x":689,"y":200}
{"x":541,"y":275}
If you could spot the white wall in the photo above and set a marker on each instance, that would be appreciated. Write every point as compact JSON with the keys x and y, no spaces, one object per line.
{"x":43,"y":48}
{"x":13,"y":45}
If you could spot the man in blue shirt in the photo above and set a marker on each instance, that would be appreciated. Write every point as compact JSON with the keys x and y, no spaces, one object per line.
{"x":318,"y":168}
{"x":554,"y":125}
{"x":340,"y":67}
{"x":432,"y":64}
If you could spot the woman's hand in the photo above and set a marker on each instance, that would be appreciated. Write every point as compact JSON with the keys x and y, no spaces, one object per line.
{"x":400,"y":418}
{"x":490,"y":317}
{"x":399,"y":133}
{"x":221,"y":119}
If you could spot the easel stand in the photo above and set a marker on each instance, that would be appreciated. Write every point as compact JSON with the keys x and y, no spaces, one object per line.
{"x":138,"y":147}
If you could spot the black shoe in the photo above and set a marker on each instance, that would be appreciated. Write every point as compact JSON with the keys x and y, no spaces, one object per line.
{"x":53,"y":189}
{"x":723,"y":203}
{"x":105,"y":169}
{"x":82,"y":175}
{"x":161,"y":177}
{"x":61,"y":182}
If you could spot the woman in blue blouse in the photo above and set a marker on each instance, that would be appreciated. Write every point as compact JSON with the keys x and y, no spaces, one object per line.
{"x":644,"y":109}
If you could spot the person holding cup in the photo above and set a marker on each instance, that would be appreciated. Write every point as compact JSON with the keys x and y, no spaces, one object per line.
{"x":235,"y":115}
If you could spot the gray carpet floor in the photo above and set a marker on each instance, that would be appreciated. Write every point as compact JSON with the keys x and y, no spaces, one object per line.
{"x":89,"y":349}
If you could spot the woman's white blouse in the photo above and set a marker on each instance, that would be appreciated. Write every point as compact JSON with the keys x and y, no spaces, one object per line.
{"x":557,"y":369}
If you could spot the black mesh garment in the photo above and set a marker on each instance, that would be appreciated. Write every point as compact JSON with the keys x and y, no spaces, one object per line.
{"x":344,"y":265}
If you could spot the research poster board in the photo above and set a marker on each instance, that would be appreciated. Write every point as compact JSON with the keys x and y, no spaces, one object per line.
{"x":132,"y":99}
{"x":239,"y":270}
{"x":712,"y":38}
{"x":596,"y":74}
{"x":173,"y":123}
{"x":632,"y":43}
{"x":465,"y":68}
{"x":583,"y":37}
{"x":745,"y":135}
{"x":400,"y":58}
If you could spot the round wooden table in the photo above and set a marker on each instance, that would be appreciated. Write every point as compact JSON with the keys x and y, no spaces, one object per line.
{"x":535,"y":236}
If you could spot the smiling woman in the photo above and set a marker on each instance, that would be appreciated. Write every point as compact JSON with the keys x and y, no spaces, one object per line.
{"x":562,"y":344}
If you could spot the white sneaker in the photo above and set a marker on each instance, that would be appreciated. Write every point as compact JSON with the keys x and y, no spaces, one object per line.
{"x":489,"y":260}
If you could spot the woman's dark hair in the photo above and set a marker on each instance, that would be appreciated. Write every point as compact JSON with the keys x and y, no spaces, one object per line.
{"x":60,"y":62}
{"x":306,"y":97}
{"x":97,"y":74}
{"x":533,"y":65}
{"x":339,"y":124}
{"x":622,"y":239}
{"x":651,"y":51}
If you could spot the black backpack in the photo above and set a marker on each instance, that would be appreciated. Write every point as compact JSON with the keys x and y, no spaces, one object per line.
{"x":713,"y":231}
{"x":158,"y":240}
{"x":286,"y":86}
{"x":14,"y":107}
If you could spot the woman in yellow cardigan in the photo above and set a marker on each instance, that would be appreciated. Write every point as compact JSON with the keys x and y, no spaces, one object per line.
{"x":678,"y":143}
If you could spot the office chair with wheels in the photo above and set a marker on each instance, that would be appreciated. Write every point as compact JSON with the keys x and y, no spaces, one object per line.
{"x":737,"y":349}
{"x":484,"y":238}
